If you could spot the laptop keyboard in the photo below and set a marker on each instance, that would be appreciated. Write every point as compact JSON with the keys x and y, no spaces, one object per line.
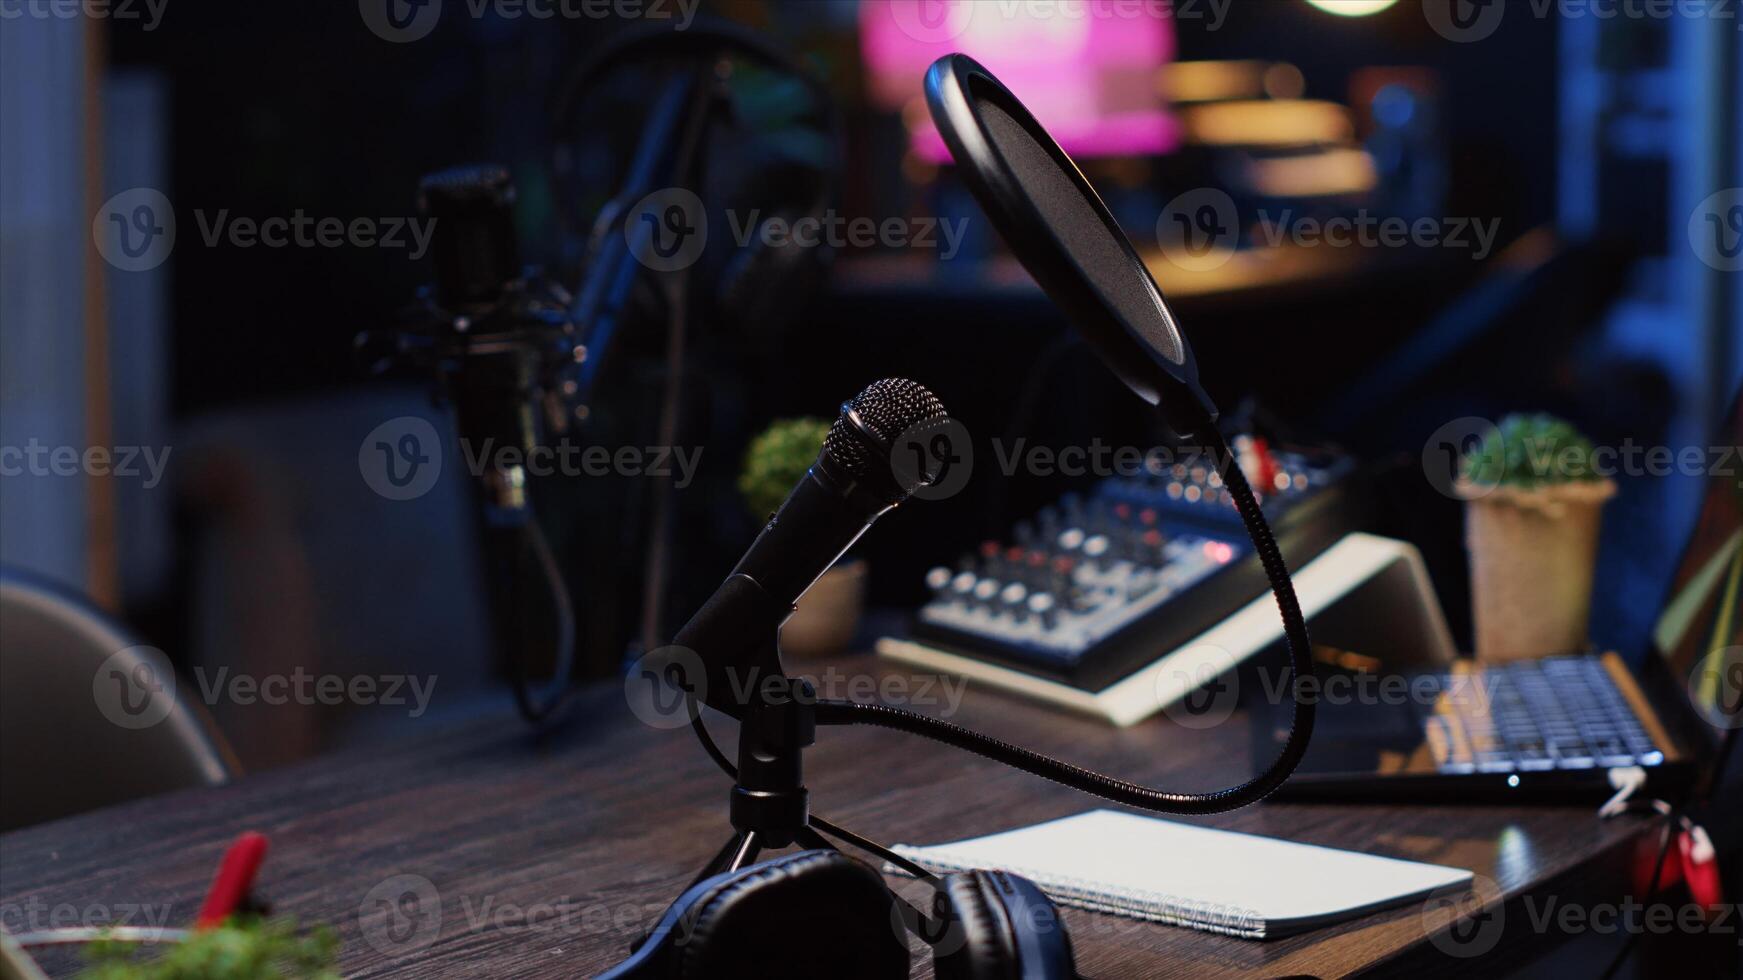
{"x":1557,"y":713}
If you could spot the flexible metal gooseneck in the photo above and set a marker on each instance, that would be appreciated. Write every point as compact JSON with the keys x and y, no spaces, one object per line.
{"x":837,"y":712}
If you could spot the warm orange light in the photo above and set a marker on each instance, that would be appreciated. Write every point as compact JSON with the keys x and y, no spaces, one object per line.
{"x":1211,"y":81}
{"x":1268,"y":122}
{"x":1323,"y":174}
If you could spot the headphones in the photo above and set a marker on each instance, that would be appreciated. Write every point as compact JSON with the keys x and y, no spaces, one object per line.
{"x":821,"y":913}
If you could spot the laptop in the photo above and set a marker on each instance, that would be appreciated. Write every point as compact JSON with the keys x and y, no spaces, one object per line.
{"x":1560,"y":728}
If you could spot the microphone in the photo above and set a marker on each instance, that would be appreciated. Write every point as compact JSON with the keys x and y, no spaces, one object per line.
{"x":500,"y":347}
{"x":1065,"y":236}
{"x":856,"y":480}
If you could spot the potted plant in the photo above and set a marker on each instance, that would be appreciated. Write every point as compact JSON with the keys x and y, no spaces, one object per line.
{"x":827,"y":615}
{"x":1533,"y":505}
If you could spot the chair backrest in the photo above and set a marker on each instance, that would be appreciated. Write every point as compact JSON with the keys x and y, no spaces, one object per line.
{"x":88,"y":716}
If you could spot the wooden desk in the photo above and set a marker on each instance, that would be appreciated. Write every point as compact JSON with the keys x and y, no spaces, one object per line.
{"x":549,"y":858}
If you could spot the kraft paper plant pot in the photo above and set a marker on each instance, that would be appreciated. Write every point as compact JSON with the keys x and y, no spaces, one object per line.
{"x":1532,"y":553}
{"x":827,"y":615}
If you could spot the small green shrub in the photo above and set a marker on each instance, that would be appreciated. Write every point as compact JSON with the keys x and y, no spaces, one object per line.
{"x":777,"y":459}
{"x":1531,"y":451}
{"x":243,"y":948}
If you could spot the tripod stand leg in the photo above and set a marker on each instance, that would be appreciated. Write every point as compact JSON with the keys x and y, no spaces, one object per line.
{"x":718,"y":863}
{"x":747,"y":851}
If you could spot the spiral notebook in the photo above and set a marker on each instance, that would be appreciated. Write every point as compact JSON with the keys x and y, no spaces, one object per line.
{"x":1198,"y":877}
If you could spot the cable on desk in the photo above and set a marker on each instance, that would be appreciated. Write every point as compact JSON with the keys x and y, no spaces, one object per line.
{"x":542,"y":715}
{"x":837,"y":712}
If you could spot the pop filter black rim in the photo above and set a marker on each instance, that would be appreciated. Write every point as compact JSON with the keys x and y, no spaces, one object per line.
{"x":1120,"y":310}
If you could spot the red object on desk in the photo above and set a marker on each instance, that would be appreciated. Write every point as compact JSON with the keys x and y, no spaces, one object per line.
{"x":234,"y":879}
{"x":1691,"y":861}
{"x":1700,"y":867}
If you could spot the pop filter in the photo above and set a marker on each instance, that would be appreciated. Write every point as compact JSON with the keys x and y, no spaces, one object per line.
{"x":1063,"y":234}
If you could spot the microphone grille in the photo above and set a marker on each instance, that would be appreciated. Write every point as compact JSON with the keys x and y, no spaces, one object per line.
{"x":894,"y":405}
{"x":884,"y":410}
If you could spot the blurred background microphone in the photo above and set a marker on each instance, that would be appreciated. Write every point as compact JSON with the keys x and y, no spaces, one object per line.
{"x":500,"y":347}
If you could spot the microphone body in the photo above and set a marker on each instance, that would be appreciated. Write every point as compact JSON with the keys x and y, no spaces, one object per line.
{"x":824,"y":515}
{"x":851,"y":484}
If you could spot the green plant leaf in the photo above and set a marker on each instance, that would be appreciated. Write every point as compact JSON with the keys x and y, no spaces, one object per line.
{"x":1531,"y":451}
{"x":776,"y":460}
{"x":243,"y":948}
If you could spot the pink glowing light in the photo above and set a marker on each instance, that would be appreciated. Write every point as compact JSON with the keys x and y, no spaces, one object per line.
{"x":1085,"y":68}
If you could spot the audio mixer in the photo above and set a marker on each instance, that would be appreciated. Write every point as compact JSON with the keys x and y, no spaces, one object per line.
{"x":1097,"y":585}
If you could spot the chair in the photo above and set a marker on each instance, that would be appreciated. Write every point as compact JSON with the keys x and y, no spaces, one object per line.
{"x":88,"y":717}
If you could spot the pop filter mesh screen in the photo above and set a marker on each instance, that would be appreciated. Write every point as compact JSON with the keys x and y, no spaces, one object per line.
{"x":1096,"y":249}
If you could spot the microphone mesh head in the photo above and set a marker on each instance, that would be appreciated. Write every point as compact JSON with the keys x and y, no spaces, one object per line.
{"x":885,"y":410}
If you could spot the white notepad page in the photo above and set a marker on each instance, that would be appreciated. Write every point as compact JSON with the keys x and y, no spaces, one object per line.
{"x":1217,"y":880}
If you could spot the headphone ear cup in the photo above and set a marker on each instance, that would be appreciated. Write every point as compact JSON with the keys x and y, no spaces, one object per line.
{"x":977,"y":942}
{"x":999,"y":926}
{"x":797,"y":917}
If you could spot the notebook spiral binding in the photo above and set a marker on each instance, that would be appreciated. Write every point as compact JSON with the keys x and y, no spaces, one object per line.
{"x":1149,"y":905}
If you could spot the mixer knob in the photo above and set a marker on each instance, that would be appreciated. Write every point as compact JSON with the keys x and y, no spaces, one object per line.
{"x":963,"y":584}
{"x":1044,"y":606}
{"x":938,"y":579}
{"x":1095,"y":546}
{"x":1071,"y":538}
{"x":1023,"y":533}
{"x":986,"y":589}
{"x":1152,"y":544}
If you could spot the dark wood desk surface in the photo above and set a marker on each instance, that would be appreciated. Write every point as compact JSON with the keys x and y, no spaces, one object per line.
{"x":548,"y":858}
